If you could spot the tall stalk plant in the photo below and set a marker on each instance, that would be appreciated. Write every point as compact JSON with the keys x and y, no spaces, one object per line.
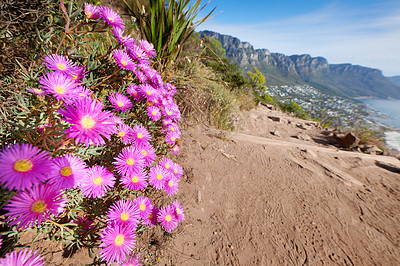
{"x":167,"y":24}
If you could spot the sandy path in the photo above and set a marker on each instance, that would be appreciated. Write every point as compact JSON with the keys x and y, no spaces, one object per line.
{"x":251,"y":199}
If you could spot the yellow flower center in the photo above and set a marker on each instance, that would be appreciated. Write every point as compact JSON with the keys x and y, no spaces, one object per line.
{"x":168,"y":218}
{"x":144,"y":152}
{"x":175,"y":171}
{"x":154,"y":112}
{"x":98,"y":180}
{"x":172,"y":138}
{"x":170,"y":183}
{"x":142,"y":206}
{"x":110,"y":19}
{"x":61,"y":66}
{"x":119,"y":240}
{"x":23,"y":165}
{"x":135,"y":179}
{"x":172,"y":129}
{"x":88,"y":14}
{"x":159,"y":176}
{"x":75,"y":77}
{"x":130,"y":161}
{"x":148,"y":92}
{"x":139,"y":135}
{"x":87,"y":122}
{"x":66,"y":171}
{"x":59,"y":89}
{"x":178,"y":211}
{"x":81,"y":94}
{"x":168,"y":113}
{"x":123,"y":62}
{"x":124,"y":216}
{"x":38,"y":90}
{"x":120,"y":104}
{"x":121,"y":134}
{"x":166,"y":166}
{"x":39,"y":206}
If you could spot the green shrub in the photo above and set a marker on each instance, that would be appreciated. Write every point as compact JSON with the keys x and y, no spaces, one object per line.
{"x":167,"y":24}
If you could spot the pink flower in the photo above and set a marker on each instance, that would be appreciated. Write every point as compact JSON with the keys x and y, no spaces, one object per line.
{"x":129,"y":162}
{"x":171,"y":185}
{"x":118,"y":241}
{"x":67,"y":171}
{"x":176,"y":170}
{"x":167,"y":218}
{"x":149,"y":92}
{"x":175,"y":150}
{"x":111,"y":17}
{"x":138,"y":54}
{"x":157,"y":176}
{"x":120,"y":102}
{"x":34,"y":205}
{"x":144,"y":205}
{"x":149,"y":153}
{"x":151,"y":219}
{"x":134,"y":91}
{"x":124,"y":212}
{"x":23,"y":165}
{"x":60,"y":86}
{"x":125,"y":133}
{"x":123,"y":60}
{"x":140,"y":135}
{"x":58,"y":63}
{"x":166,"y":163}
{"x":154,"y":113}
{"x":147,"y":47}
{"x":125,"y":40}
{"x":23,"y":257}
{"x":97,"y":182}
{"x":137,"y":181}
{"x":180,"y":215}
{"x":133,"y":261}
{"x":88,"y":122}
{"x":92,"y":11}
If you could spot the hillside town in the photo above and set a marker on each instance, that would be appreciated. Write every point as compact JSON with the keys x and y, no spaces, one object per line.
{"x":340,"y":111}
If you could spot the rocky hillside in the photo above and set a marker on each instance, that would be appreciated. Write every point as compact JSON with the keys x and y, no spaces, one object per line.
{"x":395,"y":80}
{"x":279,"y":69}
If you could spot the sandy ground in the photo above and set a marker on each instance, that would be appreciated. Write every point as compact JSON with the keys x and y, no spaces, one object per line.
{"x":254,"y":198}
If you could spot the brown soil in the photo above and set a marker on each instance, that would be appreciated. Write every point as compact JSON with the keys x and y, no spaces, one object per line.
{"x":253,"y":198}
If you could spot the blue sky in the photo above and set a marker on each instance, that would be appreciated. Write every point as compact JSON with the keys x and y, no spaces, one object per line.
{"x":359,"y":32}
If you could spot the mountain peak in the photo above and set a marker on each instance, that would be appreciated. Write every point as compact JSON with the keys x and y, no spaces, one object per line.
{"x":279,"y":69}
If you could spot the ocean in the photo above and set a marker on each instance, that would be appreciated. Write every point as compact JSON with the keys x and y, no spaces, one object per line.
{"x":391,"y":110}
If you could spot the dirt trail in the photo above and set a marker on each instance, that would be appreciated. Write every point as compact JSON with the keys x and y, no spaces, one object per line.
{"x":254,"y":198}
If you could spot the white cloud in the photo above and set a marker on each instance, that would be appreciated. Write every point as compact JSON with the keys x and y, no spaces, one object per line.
{"x":367,"y":37}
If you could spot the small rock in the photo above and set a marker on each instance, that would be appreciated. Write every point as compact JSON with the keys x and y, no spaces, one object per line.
{"x":276,"y":133}
{"x":348,"y":141}
{"x":198,"y":196}
{"x":301,"y":126}
{"x":274,"y":118}
{"x":310,"y":123}
{"x":372,"y":149}
{"x":302,"y":137}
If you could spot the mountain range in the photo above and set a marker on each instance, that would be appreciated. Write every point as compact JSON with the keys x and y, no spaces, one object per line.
{"x":338,"y":79}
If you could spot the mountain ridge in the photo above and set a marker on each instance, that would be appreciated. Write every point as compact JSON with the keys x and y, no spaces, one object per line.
{"x":280,"y":69}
